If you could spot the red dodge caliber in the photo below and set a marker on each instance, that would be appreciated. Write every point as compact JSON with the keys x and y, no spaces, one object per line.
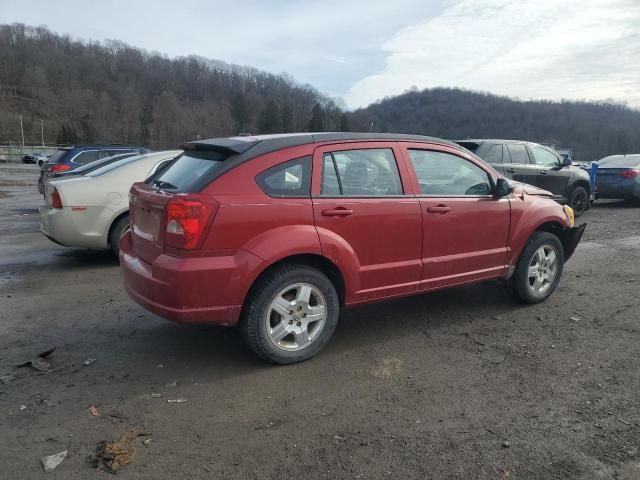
{"x":277,"y":233}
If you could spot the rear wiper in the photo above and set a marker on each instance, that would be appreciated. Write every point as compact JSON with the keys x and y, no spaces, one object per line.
{"x":167,"y":185}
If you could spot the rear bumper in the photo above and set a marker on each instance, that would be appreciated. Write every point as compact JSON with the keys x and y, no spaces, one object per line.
{"x":625,"y":189}
{"x":75,"y":229}
{"x":571,"y":239}
{"x":189,"y":290}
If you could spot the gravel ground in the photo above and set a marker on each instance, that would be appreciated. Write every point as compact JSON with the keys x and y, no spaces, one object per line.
{"x":462,"y":383}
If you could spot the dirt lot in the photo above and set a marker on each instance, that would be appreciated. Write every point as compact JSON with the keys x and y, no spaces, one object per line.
{"x":458,"y":384}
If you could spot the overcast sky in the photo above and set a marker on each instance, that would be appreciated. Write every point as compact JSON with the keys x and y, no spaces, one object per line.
{"x":363,"y":51}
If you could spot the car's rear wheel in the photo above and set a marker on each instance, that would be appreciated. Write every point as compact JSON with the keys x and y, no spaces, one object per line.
{"x":117,"y":230}
{"x":291,"y":314}
{"x":539,"y":268}
{"x":578,"y":200}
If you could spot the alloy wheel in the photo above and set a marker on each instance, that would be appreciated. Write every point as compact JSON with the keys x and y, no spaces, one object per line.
{"x":543,"y":269}
{"x":296,"y":316}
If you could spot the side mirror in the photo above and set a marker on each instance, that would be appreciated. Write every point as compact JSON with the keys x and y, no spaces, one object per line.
{"x":502,"y":188}
{"x":566,"y":162}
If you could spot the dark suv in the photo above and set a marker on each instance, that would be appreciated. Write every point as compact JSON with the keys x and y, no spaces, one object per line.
{"x":70,"y":158}
{"x":537,"y":165}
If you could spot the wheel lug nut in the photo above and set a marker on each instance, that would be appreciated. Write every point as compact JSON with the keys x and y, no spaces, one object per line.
{"x":290,"y":322}
{"x":290,"y":312}
{"x":299,"y":307}
{"x":304,"y":315}
{"x":298,"y":323}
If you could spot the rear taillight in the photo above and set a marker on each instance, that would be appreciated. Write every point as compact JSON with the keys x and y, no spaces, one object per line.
{"x":188,"y":219}
{"x":56,"y":201}
{"x":59,"y":167}
{"x":630,"y":173}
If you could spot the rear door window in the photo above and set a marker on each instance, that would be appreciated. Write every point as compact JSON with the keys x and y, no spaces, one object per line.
{"x":518,"y":153}
{"x":86,"y":157}
{"x":494,"y":154}
{"x":369,"y":172}
{"x":289,"y":179}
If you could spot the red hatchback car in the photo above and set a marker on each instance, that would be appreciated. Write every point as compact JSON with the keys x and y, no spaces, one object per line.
{"x":277,"y":233}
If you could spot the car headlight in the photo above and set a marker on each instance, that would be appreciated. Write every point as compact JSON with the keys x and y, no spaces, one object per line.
{"x":568,"y":211}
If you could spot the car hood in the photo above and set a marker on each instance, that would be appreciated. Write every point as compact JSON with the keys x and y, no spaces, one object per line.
{"x":519,"y":188}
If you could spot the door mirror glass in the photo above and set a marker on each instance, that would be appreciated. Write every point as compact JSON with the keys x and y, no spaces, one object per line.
{"x":566,"y":162}
{"x":502,"y":188}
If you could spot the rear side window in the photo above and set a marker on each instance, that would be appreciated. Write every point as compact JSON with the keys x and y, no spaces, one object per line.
{"x":518,"y":153}
{"x":289,"y":179}
{"x":494,"y":154}
{"x":190,"y":171}
{"x":86,"y":157}
{"x":361,"y":173}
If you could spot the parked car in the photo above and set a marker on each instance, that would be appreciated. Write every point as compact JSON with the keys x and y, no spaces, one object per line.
{"x":277,"y":233}
{"x":536,"y":165}
{"x":619,"y":177}
{"x":35,"y":158}
{"x":70,"y":158}
{"x":84,"y":169}
{"x":92,"y":210}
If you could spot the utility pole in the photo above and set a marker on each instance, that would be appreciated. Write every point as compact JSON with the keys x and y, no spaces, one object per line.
{"x":22,"y":131}
{"x":371,"y":127}
{"x":42,"y":131}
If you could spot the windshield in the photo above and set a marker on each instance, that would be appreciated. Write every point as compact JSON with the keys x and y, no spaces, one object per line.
{"x":188,"y":171}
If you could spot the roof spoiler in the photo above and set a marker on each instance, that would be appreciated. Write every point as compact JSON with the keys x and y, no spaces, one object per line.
{"x":229,"y":146}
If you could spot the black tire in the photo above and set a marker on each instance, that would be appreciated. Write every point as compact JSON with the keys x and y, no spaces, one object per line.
{"x":117,"y":230}
{"x":519,"y":284}
{"x":254,"y":324}
{"x":578,"y":199}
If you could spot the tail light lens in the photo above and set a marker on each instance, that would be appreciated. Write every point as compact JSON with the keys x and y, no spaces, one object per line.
{"x":59,"y":167}
{"x":188,"y":220}
{"x":630,"y":173}
{"x":56,"y":201}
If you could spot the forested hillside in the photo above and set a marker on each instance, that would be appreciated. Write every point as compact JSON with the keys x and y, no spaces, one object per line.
{"x":112,"y":92}
{"x":592,"y":129}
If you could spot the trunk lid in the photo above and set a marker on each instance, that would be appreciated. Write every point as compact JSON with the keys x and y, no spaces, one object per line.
{"x":610,"y":175}
{"x":147,"y":214}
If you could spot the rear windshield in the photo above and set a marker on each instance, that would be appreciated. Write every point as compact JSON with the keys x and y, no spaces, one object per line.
{"x":471,"y":146}
{"x":57,"y":156}
{"x":620,"y":161}
{"x":189,"y":172}
{"x":102,"y":162}
{"x":112,"y":166}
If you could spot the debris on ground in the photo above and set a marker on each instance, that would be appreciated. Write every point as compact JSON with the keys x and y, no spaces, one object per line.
{"x":506,"y":444}
{"x":88,"y":361}
{"x":6,"y":377}
{"x":50,"y":462}
{"x":40,"y":362}
{"x":112,"y":456}
{"x":176,"y":400}
{"x":93,"y":410}
{"x":156,"y":395}
{"x":172,"y":384}
{"x":575,"y":319}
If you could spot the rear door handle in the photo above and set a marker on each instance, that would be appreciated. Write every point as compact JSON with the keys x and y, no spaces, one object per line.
{"x":542,"y":172}
{"x":439,"y":209}
{"x":337,"y":212}
{"x":511,"y":170}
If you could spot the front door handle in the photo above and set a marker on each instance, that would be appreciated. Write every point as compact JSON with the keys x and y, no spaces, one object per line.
{"x":511,"y":170}
{"x":337,"y":212}
{"x":542,"y":172}
{"x":439,"y":209}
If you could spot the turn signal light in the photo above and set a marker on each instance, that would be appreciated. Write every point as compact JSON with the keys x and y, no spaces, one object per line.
{"x":59,"y":167}
{"x":188,"y":219}
{"x":630,"y":173}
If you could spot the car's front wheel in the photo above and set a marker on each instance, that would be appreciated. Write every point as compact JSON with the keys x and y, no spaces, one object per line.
{"x":578,"y":200}
{"x":539,"y":268}
{"x":291,"y":314}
